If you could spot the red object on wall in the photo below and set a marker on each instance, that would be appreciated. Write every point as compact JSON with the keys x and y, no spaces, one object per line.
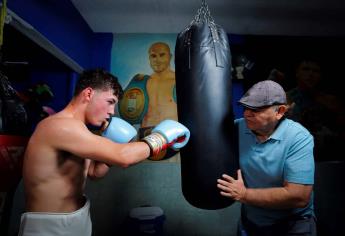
{"x":12,"y":150}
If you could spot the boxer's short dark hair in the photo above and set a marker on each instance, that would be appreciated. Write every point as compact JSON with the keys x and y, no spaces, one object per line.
{"x":98,"y":79}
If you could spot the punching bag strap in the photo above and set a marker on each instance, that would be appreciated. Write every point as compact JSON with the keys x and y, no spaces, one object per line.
{"x":204,"y":15}
{"x":217,"y":53}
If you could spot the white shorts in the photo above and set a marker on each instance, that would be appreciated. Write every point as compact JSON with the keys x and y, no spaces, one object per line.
{"x":77,"y":223}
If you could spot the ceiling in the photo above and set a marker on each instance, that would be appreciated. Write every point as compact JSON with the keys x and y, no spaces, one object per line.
{"x":256,"y":17}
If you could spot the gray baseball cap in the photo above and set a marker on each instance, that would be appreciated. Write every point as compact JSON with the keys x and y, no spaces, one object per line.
{"x":262,"y":94}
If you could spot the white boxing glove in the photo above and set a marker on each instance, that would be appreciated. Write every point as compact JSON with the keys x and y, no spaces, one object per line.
{"x":119,"y":130}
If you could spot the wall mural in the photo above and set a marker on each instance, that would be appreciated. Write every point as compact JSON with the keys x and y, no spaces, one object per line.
{"x":144,"y":64}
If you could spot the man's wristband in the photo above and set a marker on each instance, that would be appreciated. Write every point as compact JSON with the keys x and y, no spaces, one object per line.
{"x":156,"y":143}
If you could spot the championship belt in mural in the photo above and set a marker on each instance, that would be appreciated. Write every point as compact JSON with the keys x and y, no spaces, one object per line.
{"x":133,"y":105}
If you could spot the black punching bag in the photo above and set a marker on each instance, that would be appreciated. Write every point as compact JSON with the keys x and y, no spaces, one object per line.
{"x":204,"y":90}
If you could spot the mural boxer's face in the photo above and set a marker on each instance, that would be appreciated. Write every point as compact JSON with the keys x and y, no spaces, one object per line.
{"x":159,"y":56}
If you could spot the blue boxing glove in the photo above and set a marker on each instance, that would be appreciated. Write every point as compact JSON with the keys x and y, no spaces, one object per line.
{"x":119,"y":131}
{"x":168,"y":133}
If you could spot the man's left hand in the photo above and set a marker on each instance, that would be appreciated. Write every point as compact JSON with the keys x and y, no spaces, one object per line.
{"x":231,"y":187}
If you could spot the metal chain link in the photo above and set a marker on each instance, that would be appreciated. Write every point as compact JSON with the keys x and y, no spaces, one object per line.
{"x":204,"y":15}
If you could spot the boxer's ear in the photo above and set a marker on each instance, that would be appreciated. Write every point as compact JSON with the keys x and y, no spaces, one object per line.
{"x":88,"y":93}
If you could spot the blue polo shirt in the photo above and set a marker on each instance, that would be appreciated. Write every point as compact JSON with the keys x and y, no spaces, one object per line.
{"x":287,"y":155}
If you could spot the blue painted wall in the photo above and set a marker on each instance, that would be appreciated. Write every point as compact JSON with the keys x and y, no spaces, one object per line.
{"x":62,"y":24}
{"x":101,"y":50}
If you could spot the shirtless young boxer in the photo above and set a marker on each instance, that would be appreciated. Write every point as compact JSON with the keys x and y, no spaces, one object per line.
{"x":62,"y":153}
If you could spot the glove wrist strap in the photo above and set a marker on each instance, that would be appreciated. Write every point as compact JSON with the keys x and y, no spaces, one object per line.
{"x":156,"y":142}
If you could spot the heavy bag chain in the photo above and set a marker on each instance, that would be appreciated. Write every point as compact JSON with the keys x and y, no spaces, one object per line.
{"x":204,"y":15}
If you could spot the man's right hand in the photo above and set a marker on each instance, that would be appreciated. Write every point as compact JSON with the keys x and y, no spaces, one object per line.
{"x":119,"y":131}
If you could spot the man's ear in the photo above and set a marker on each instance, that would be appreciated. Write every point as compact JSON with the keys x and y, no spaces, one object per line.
{"x":281,"y":110}
{"x":88,"y":93}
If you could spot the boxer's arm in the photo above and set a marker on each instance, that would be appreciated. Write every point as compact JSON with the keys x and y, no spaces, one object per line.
{"x":73,"y":136}
{"x":118,"y":131}
{"x":97,"y":169}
